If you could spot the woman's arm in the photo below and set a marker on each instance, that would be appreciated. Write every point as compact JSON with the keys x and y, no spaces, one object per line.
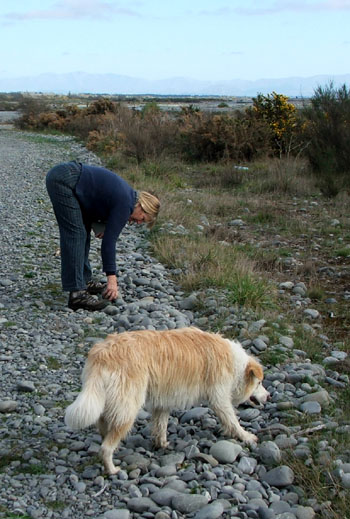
{"x":111,"y":290}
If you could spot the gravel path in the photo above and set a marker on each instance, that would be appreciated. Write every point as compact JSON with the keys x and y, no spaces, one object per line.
{"x":48,"y":471}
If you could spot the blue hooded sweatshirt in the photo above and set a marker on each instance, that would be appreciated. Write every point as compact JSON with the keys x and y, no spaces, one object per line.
{"x":105,"y":197}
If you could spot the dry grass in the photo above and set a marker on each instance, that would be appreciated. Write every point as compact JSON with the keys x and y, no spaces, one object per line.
{"x":320,"y":485}
{"x":283,"y":177}
{"x":206,"y":263}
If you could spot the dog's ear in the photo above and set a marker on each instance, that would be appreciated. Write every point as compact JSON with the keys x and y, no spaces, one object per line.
{"x":254,"y":369}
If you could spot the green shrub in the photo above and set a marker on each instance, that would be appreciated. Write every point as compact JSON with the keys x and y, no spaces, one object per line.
{"x":211,"y":138}
{"x":327,"y":128}
{"x":281,"y":117}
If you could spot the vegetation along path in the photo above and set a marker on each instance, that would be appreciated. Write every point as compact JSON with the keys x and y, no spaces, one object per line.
{"x":300,"y":468}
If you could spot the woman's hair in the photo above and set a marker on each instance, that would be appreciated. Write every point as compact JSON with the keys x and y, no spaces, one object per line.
{"x":150,"y":204}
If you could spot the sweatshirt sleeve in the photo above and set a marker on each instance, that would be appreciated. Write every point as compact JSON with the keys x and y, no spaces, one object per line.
{"x":117,"y":220}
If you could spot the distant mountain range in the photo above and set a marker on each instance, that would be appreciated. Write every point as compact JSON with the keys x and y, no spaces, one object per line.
{"x":81,"y":82}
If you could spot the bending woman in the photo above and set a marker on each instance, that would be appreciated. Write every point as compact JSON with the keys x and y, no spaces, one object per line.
{"x":88,"y":197}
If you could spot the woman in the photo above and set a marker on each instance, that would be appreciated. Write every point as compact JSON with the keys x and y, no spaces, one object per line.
{"x":88,"y":197}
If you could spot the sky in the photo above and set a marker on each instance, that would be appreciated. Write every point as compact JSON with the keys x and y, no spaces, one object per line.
{"x":160,"y":39}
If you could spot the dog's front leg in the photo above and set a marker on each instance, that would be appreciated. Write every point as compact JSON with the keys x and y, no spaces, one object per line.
{"x":229,"y":420}
{"x":159,"y":427}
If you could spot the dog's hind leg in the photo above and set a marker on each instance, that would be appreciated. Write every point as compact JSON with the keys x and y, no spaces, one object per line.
{"x":229,"y":420}
{"x":110,"y":443}
{"x":102,"y":426}
{"x":159,"y":427}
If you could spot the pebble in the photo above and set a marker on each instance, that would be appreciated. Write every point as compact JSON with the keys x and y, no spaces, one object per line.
{"x":282,"y":476}
{"x":43,"y":346}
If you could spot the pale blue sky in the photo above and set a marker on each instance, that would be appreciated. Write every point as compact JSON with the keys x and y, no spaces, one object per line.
{"x":157,"y":39}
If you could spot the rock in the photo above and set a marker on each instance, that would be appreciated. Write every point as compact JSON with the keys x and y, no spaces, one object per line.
{"x":8,"y":406}
{"x":116,"y":514}
{"x":211,"y":511}
{"x":188,"y":503}
{"x":279,"y":477}
{"x":140,"y":504}
{"x":225,"y":451}
{"x":189,"y":303}
{"x":286,"y":341}
{"x":311,"y":313}
{"x":322,"y":397}
{"x":164,"y":496}
{"x":26,"y":386}
{"x":310,"y":407}
{"x":194,"y":414}
{"x":269,"y":453}
{"x":304,"y":512}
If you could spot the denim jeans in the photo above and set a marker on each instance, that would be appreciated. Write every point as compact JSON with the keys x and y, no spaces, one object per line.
{"x":74,"y":235}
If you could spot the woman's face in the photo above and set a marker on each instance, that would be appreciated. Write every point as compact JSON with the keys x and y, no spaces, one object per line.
{"x":139,"y":216}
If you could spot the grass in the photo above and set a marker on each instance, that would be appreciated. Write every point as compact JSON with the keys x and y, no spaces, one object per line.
{"x":48,"y":138}
{"x":12,"y":515}
{"x":320,"y":485}
{"x":9,"y":324}
{"x":275,"y":357}
{"x":343,"y":253}
{"x":53,"y":363}
{"x":7,"y":459}
{"x":56,"y":505}
{"x":206,"y":264}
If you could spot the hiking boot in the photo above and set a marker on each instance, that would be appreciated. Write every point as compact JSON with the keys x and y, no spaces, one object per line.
{"x":82,"y":299}
{"x":95,"y":287}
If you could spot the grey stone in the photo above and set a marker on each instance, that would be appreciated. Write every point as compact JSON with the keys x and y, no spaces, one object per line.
{"x":266,"y":513}
{"x":259,"y":344}
{"x":279,"y":477}
{"x":312,"y":313}
{"x":322,"y":397}
{"x":211,"y":511}
{"x":247,"y":465}
{"x":194,"y":414}
{"x":116,"y":514}
{"x":269,"y":453}
{"x":188,"y":503}
{"x":172,"y":459}
{"x":286,"y":341}
{"x":280,"y":507}
{"x":26,"y":386}
{"x":164,"y":496}
{"x":310,"y":408}
{"x":345,"y":480}
{"x":225,"y":451}
{"x":189,"y":302}
{"x":8,"y":406}
{"x":304,"y":512}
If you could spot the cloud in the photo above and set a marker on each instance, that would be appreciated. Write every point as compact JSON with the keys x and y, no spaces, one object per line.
{"x":279,"y":7}
{"x":74,"y":10}
{"x":233,"y":53}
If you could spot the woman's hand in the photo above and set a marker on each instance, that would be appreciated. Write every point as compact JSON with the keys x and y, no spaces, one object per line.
{"x":111,"y":290}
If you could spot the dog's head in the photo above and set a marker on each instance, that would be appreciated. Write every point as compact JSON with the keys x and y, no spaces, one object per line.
{"x":253,"y":376}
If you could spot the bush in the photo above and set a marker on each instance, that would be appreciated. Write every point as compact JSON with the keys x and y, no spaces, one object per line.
{"x":281,"y":117}
{"x":31,"y":108}
{"x":206,"y":137}
{"x":328,"y":129}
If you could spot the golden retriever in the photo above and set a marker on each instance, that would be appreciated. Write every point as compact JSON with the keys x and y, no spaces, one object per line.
{"x":165,"y":370}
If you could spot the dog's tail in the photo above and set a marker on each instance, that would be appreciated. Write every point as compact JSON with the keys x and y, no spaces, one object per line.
{"x":89,"y":404}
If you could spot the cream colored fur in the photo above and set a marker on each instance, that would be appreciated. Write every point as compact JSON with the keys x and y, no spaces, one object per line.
{"x":165,"y":370}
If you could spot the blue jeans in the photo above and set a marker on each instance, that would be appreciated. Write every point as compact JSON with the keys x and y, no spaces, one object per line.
{"x":74,"y":234}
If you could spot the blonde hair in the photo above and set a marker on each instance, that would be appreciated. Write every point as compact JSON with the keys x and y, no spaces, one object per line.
{"x":150,"y":204}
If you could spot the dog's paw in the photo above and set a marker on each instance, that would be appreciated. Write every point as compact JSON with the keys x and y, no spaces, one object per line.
{"x":249,"y":438}
{"x":112,"y":471}
{"x":161,"y":444}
